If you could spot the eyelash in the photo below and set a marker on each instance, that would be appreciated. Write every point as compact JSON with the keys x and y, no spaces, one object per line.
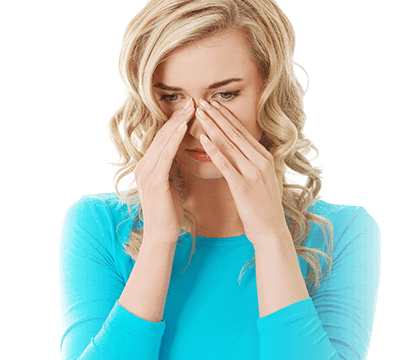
{"x":234,"y":94}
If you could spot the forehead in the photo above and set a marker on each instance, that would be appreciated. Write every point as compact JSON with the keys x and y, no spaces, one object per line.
{"x":208,"y":60}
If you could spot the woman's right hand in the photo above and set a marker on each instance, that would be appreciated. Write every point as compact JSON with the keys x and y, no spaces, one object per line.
{"x":161,"y":202}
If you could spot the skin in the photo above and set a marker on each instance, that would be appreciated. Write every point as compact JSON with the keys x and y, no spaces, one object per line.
{"x":193,"y":68}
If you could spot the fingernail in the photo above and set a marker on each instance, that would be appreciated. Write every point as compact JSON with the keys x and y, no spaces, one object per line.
{"x":187,"y":104}
{"x":180,"y":128}
{"x":186,"y":111}
{"x":201,"y":113}
{"x":215,"y":104}
{"x":204,"y":104}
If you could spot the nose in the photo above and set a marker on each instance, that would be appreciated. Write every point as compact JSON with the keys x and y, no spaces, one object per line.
{"x":195,"y":127}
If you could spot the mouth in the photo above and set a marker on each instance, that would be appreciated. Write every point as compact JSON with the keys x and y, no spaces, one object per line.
{"x":200,"y":156}
{"x":198,"y":150}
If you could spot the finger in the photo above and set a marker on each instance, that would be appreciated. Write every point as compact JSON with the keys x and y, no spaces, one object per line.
{"x":231,"y":174}
{"x":161,"y":140}
{"x":232,"y":144}
{"x":218,"y":111}
{"x":167,"y":155}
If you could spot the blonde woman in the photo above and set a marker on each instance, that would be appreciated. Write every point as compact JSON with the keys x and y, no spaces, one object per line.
{"x":220,"y":71}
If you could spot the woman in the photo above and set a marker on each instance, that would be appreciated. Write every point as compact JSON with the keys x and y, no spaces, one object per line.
{"x":223,"y":69}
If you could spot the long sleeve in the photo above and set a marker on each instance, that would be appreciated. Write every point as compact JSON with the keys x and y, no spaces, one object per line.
{"x":211,"y":312}
{"x":95,"y":325}
{"x":336,"y":322}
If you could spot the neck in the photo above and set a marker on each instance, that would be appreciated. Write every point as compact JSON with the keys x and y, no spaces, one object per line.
{"x":211,"y":203}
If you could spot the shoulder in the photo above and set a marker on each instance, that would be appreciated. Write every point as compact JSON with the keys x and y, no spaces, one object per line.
{"x":103,"y":204}
{"x":350,"y":224}
{"x":103,"y":216}
{"x":342,"y":216}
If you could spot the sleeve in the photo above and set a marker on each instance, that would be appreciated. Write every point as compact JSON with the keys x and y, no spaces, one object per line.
{"x":95,"y":325}
{"x":337,"y":321}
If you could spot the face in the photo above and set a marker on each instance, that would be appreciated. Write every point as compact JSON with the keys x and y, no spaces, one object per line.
{"x":193,"y":69}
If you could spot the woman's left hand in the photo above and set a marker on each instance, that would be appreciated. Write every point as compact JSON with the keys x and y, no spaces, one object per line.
{"x":250,"y":173}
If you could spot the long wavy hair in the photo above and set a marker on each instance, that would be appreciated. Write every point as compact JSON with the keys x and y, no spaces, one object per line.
{"x":165,"y":25}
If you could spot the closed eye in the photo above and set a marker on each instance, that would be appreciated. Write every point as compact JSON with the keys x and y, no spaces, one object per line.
{"x":231,"y":95}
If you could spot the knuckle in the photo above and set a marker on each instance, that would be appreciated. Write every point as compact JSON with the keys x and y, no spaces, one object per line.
{"x":137,"y":170}
{"x":235,"y":133}
{"x":225,"y":164}
{"x":228,"y":145}
{"x":159,"y":139}
{"x":243,"y":186}
{"x":242,"y":129}
{"x":140,"y":184}
{"x":158,"y":179}
{"x":166,"y":154}
{"x":155,"y":182}
{"x":255,"y":176}
{"x":265,"y":165}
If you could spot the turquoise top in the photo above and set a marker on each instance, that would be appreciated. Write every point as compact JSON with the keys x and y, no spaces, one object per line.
{"x":208,"y":315}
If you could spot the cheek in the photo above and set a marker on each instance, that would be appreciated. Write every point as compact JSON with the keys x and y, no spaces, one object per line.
{"x":249,"y":121}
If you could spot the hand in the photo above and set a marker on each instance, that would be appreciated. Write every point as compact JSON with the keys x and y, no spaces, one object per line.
{"x":161,"y":202}
{"x":249,"y":170}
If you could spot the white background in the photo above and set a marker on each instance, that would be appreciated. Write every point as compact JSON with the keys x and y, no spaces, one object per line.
{"x":60,"y":86}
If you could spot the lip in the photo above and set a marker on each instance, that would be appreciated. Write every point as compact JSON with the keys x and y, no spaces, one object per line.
{"x":197,"y":149}
{"x":199,"y":156}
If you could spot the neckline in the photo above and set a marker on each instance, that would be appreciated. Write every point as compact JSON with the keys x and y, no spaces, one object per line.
{"x":215,"y":241}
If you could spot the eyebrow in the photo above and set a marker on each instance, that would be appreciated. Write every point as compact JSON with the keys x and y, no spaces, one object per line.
{"x":212,"y":86}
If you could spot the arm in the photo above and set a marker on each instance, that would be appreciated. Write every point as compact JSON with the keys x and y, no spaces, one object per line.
{"x":95,"y":325}
{"x":146,"y":290}
{"x":277,"y":268}
{"x":336,"y":321}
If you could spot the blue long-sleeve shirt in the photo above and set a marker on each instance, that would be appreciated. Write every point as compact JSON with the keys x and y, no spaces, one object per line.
{"x":207,"y":314}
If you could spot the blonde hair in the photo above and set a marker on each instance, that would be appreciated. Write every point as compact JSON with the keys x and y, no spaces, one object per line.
{"x":165,"y":25}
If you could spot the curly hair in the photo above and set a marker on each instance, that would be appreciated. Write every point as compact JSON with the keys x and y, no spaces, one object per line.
{"x":165,"y":25}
